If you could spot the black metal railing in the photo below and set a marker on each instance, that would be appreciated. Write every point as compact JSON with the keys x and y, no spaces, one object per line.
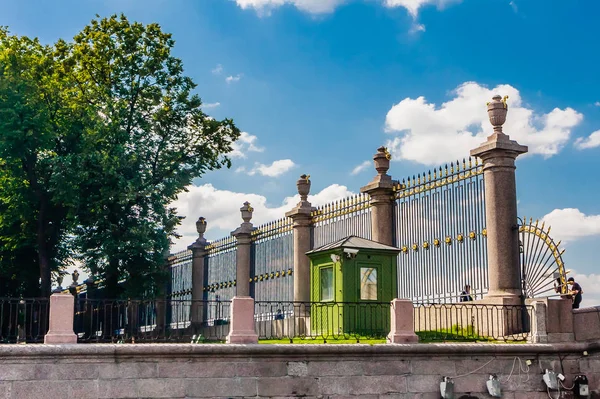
{"x":23,"y":320}
{"x":472,"y":322}
{"x":147,"y":321}
{"x":322,"y":321}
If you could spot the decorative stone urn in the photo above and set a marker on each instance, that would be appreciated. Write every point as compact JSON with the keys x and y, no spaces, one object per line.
{"x":382,"y":160}
{"x":75,"y":277}
{"x":201,"y":226}
{"x":497,"y":110}
{"x":246,"y":211}
{"x":303,"y":185}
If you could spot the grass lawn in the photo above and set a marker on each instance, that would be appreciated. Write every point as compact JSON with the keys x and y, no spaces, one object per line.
{"x":370,"y":341}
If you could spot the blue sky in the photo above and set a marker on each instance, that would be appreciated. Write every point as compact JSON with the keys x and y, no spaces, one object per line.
{"x":318,"y":85}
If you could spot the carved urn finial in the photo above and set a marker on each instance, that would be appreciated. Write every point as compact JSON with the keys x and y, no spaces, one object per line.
{"x":497,"y":110}
{"x":75,"y":277}
{"x":382,"y":160}
{"x":201,"y":226}
{"x":246,"y":211}
{"x":303,"y":186}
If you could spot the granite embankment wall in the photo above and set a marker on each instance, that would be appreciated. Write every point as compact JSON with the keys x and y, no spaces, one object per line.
{"x":287,"y":371}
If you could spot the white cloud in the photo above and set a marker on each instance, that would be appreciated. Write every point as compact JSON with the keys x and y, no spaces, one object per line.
{"x":514,"y":7}
{"x":221,"y":209}
{"x":592,"y":141}
{"x":431,"y":134}
{"x":245,"y":143}
{"x":264,"y":7}
{"x":417,"y":28}
{"x":590,"y":284}
{"x":211,"y":105}
{"x":311,"y":6}
{"x":363,"y":166}
{"x":597,"y":103}
{"x":570,"y":223}
{"x":232,"y":79}
{"x":413,"y":6}
{"x":218,"y":69}
{"x":277,"y":168}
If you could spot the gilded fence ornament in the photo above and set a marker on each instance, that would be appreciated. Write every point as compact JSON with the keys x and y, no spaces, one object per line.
{"x":436,"y":242}
{"x":460,"y":238}
{"x":448,"y":240}
{"x":426,"y":245}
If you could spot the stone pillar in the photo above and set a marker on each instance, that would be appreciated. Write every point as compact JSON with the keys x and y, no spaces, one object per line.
{"x":301,"y":215}
{"x":243,"y":255}
{"x":402,"y":322}
{"x":62,"y":310}
{"x":539,"y":334}
{"x":498,"y":154}
{"x":241,"y":328}
{"x":381,"y":191}
{"x":199,"y":253}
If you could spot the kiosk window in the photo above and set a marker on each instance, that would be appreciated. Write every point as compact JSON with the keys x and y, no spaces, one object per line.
{"x":368,"y":283}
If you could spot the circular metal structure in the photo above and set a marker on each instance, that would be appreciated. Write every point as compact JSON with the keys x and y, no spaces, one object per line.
{"x":543,"y":271}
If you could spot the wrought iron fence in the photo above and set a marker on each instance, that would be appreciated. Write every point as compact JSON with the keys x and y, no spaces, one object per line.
{"x":23,"y":320}
{"x":340,"y":219}
{"x":140,"y":321}
{"x":326,"y":321}
{"x":272,"y":276}
{"x":440,"y":229}
{"x":472,"y":322}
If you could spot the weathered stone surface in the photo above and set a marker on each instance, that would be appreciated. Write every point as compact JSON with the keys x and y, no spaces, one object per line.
{"x":118,"y":389}
{"x":362,"y":385}
{"x":354,"y":367}
{"x":297,"y":369}
{"x":221,"y":387}
{"x":293,"y":386}
{"x":161,"y":388}
{"x":437,"y":367}
{"x":127,"y":370}
{"x":424,"y":383}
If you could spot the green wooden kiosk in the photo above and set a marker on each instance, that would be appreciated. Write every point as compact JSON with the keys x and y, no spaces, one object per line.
{"x":353,"y":281}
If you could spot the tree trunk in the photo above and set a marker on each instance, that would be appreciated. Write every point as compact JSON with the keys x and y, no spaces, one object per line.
{"x":43,"y":253}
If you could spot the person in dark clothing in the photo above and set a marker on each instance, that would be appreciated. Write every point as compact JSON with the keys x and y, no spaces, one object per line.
{"x":575,"y":291}
{"x":465,"y":296}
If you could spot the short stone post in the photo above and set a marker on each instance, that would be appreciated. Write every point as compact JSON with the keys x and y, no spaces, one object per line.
{"x":243,"y":235}
{"x":62,"y":310}
{"x":302,"y":219}
{"x":241,"y":327}
{"x":199,"y":253}
{"x":402,"y":323}
{"x":381,"y":190}
{"x":498,"y":154}
{"x":539,"y":333}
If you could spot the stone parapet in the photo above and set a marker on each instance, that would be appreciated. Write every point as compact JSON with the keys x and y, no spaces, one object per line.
{"x":263,"y":371}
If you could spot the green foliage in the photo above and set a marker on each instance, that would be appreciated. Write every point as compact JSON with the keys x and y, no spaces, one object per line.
{"x":113,"y":132}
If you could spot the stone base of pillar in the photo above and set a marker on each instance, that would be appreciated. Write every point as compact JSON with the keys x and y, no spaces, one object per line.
{"x":242,"y":322}
{"x":401,"y":322}
{"x":62,"y":308}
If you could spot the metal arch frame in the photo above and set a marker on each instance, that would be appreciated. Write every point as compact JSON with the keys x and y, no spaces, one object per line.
{"x":543,"y":235}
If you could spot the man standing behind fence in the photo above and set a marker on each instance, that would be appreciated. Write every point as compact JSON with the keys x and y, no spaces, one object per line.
{"x":465,"y":296}
{"x":576,"y":291}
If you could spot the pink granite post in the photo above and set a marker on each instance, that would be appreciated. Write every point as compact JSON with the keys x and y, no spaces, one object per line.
{"x":62,"y":307}
{"x":498,"y":155}
{"x":402,"y":319}
{"x":199,"y":253}
{"x":243,"y":236}
{"x":241,"y":327}
{"x":381,"y":191}
{"x":301,"y":215}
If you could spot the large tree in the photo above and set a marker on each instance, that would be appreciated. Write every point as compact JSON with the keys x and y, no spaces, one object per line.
{"x":39,"y":132}
{"x":98,"y":135}
{"x":151,"y":140}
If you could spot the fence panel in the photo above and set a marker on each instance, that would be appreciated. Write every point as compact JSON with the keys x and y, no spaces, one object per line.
{"x":273,"y":260}
{"x":338,"y":220}
{"x":440,"y":228}
{"x":23,"y":320}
